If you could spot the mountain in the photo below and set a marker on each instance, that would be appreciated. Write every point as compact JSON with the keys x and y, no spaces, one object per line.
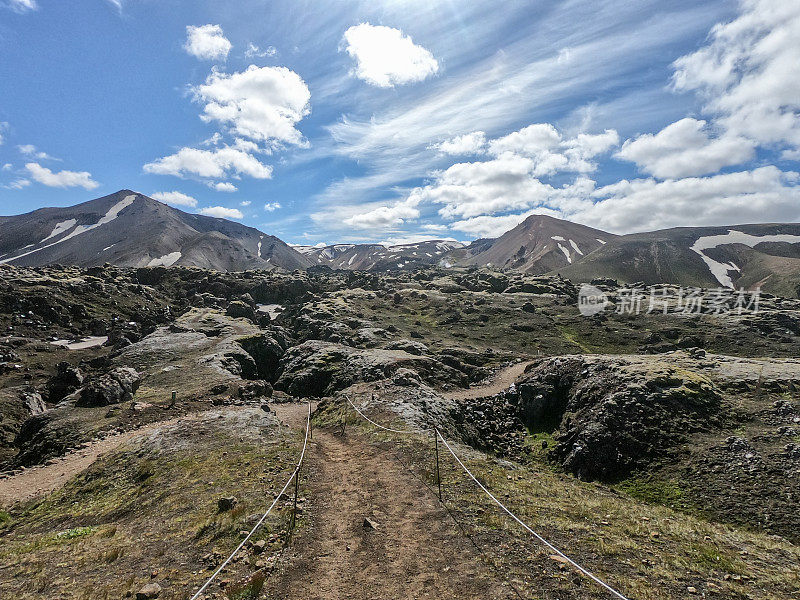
{"x":742,"y":256}
{"x":537,"y":245}
{"x":377,"y":257}
{"x":129,"y":229}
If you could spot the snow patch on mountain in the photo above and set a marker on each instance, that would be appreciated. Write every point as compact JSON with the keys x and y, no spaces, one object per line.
{"x":60,"y":228}
{"x":112,"y":214}
{"x":165,"y":261}
{"x":720,"y":270}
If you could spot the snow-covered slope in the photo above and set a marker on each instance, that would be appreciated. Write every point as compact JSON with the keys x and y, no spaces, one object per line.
{"x":377,"y":257}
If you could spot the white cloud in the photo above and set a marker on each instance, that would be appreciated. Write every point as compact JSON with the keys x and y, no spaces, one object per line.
{"x":175,"y":198}
{"x":488,"y":226}
{"x":207,"y":42}
{"x":18,"y":184}
{"x":224,"y":186}
{"x":62,"y":179}
{"x":254,"y":51}
{"x":383,"y":217}
{"x":762,"y":195}
{"x":221,"y":212}
{"x":386,"y":57}
{"x":528,"y":141}
{"x":261,"y":103}
{"x":685,"y":148}
{"x":765,"y":194}
{"x":219,"y":162}
{"x":7,"y":167}
{"x":413,"y":238}
{"x":245,"y":203}
{"x":545,"y":145}
{"x":469,"y":143}
{"x":3,"y":126}
{"x":747,"y":73}
{"x":30,"y":150}
{"x":271,"y":206}
{"x":22,"y":6}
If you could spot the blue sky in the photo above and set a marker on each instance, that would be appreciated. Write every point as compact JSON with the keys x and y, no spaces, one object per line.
{"x":405,"y":119}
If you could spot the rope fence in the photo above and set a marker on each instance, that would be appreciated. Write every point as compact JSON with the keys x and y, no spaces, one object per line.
{"x":294,"y":477}
{"x":505,"y":509}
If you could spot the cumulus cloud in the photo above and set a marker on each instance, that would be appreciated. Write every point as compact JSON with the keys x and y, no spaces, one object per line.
{"x":261,"y":103}
{"x":550,"y":152}
{"x":271,"y":206}
{"x":245,"y":203}
{"x":62,"y":179}
{"x":685,"y":148}
{"x":224,"y":186}
{"x":383,"y":217}
{"x":747,"y":73}
{"x":469,"y":143}
{"x":488,"y":226}
{"x":221,"y":212}
{"x":217,"y":163}
{"x":761,"y":195}
{"x":386,"y":57}
{"x":175,"y":199}
{"x":207,"y":42}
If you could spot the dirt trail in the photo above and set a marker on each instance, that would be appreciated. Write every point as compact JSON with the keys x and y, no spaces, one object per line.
{"x":39,"y":480}
{"x":415,"y":551}
{"x":499,"y":382}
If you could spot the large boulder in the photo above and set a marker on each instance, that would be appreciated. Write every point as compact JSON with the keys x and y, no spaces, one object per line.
{"x":238,"y":309}
{"x":117,"y":386}
{"x":66,"y":380}
{"x":612,"y":415}
{"x":317,"y":368}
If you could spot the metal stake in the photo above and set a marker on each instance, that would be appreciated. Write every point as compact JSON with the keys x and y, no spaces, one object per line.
{"x":436,"y":449}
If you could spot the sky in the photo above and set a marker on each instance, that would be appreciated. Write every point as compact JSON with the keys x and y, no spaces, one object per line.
{"x":400,"y":120}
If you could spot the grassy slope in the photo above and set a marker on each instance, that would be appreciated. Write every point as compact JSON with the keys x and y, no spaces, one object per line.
{"x":151,"y":508}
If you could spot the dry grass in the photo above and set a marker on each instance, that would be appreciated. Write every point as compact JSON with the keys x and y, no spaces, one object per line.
{"x":149,"y":507}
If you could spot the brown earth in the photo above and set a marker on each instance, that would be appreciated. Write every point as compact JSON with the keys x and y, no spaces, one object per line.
{"x":411,"y":550}
{"x":51,"y":476}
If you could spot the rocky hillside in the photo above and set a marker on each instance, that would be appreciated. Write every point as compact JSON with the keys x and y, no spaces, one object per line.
{"x":131,"y":230}
{"x":764,"y":255}
{"x":537,"y":245}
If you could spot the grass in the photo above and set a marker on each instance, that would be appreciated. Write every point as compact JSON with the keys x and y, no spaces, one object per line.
{"x":151,"y":504}
{"x":653,"y":491}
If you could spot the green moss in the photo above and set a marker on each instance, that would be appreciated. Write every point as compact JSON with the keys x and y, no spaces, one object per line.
{"x":653,"y":491}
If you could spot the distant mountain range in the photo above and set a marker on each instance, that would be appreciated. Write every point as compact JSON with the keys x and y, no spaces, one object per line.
{"x":130,"y":229}
{"x":377,"y":257}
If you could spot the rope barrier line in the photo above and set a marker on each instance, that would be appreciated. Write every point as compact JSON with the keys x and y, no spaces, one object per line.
{"x":539,"y":537}
{"x":378,"y":425}
{"x":583,"y":570}
{"x":263,"y":518}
